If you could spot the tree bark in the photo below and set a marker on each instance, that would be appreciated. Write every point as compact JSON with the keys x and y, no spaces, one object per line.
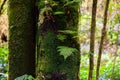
{"x":22,"y":30}
{"x":92,"y":40}
{"x":52,"y":65}
{"x":102,"y":39}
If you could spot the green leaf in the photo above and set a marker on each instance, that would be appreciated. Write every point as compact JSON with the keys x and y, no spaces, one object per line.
{"x":30,"y":78}
{"x":111,"y":10}
{"x":58,"y":13}
{"x":78,"y":0}
{"x":66,"y":51}
{"x":69,"y":3}
{"x":61,"y":37}
{"x":46,"y":9}
{"x":25,"y":77}
{"x":72,"y":2}
{"x":68,"y":31}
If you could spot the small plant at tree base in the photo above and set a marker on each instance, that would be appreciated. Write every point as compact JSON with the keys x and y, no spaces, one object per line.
{"x":25,"y":77}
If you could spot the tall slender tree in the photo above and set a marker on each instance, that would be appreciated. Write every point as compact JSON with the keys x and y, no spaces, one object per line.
{"x":58,"y":21}
{"x":22,"y":27}
{"x":92,"y":39}
{"x":102,"y":39}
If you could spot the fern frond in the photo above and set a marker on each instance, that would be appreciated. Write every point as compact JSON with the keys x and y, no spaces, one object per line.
{"x":72,"y":2}
{"x":58,"y":13}
{"x":45,"y":9}
{"x":61,"y":37}
{"x":66,"y":51}
{"x":68,"y":31}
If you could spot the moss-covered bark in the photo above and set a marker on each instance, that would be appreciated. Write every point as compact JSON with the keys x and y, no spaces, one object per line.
{"x":22,"y":26}
{"x":52,"y":65}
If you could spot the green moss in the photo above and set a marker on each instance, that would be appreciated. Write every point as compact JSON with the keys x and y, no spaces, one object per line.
{"x":50,"y":61}
{"x":21,"y":38}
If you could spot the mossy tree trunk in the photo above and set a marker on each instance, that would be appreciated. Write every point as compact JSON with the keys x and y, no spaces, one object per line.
{"x":52,"y":65}
{"x":22,"y":30}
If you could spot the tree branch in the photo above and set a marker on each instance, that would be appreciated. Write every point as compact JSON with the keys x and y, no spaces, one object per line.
{"x":2,"y":5}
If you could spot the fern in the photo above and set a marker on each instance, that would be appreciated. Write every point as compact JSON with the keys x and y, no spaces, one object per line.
{"x":66,"y":51}
{"x":25,"y":77}
{"x":45,"y":9}
{"x":78,"y":0}
{"x":61,"y":37}
{"x":68,"y":31}
{"x":58,"y":13}
{"x":72,"y":2}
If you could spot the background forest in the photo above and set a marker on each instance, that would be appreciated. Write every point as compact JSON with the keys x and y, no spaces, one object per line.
{"x":60,"y":40}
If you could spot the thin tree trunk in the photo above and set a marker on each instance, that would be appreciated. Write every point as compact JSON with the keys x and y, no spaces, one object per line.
{"x":102,"y":39}
{"x":92,"y":39}
{"x":22,"y":31}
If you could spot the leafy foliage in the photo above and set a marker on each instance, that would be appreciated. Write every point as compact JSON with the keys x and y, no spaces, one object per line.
{"x":3,"y":62}
{"x":61,"y":37}
{"x":72,"y":2}
{"x":66,"y":51}
{"x":3,"y":76}
{"x":72,"y":32}
{"x":4,"y":55}
{"x":25,"y":77}
{"x":105,"y":70}
{"x":3,"y":58}
{"x":46,"y":9}
{"x":58,"y":13}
